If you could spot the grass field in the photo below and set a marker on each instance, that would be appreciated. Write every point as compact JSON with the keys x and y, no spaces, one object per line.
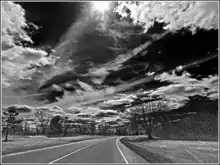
{"x":180,"y":151}
{"x":185,"y":151}
{"x":19,"y":144}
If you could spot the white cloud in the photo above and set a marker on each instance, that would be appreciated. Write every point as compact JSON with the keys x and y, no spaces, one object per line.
{"x":85,"y":86}
{"x":86,"y":114}
{"x":93,"y":112}
{"x":110,"y":90}
{"x":176,"y":14}
{"x":184,"y":86}
{"x":121,"y":99}
{"x":99,"y":72}
{"x":13,"y":21}
{"x":73,"y":110}
{"x":15,"y":58}
{"x":51,"y":111}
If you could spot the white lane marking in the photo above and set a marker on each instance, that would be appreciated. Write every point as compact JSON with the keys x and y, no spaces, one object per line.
{"x":45,"y":148}
{"x":193,"y":155}
{"x":121,"y":151}
{"x":72,"y":153}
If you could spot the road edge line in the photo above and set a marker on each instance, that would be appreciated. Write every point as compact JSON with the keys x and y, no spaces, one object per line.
{"x":126,"y":161}
{"x":71,"y":153}
{"x":45,"y":148}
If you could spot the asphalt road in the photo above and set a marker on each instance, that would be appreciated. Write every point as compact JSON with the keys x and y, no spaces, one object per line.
{"x":92,"y":151}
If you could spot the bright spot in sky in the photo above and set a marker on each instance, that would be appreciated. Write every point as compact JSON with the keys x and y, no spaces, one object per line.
{"x":101,"y":5}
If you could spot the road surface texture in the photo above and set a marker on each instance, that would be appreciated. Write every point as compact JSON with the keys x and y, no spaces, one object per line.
{"x":107,"y":150}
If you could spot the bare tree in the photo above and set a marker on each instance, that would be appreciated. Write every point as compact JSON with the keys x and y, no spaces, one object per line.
{"x":142,"y":115}
{"x":154,"y":114}
{"x":42,"y":119}
{"x":67,"y":125}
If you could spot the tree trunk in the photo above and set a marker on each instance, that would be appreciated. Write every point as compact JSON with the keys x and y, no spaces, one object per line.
{"x":43,"y":129}
{"x":65,"y":132}
{"x":59,"y":134}
{"x":149,"y":134}
{"x":37,"y":130}
{"x":6,"y":134}
{"x":13,"y":132}
{"x":149,"y":130}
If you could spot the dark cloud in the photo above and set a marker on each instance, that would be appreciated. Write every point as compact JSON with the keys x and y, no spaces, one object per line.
{"x":105,"y":113}
{"x":20,"y":108}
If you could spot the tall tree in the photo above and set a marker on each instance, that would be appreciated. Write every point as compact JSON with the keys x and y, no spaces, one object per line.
{"x":58,"y":124}
{"x":9,"y":120}
{"x":154,"y":114}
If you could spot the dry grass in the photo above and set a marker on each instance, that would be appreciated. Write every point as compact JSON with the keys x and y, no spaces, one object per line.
{"x":184,"y":151}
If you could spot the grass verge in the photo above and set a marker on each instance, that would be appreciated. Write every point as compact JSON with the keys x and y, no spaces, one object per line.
{"x":148,"y":155}
{"x":163,"y":151}
{"x":20,"y":144}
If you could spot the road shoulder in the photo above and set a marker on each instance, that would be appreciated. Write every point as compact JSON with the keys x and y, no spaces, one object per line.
{"x":130,"y":155}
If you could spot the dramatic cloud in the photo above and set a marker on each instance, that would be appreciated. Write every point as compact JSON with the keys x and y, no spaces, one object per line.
{"x":190,"y":85}
{"x":93,"y":112}
{"x":20,"y":108}
{"x":13,"y":21}
{"x":184,"y":86}
{"x":105,"y":113}
{"x":74,"y":110}
{"x":113,"y":121}
{"x":99,"y":72}
{"x":51,"y":110}
{"x":16,"y":58}
{"x":84,"y":115}
{"x":175,"y":14}
{"x":85,"y":86}
{"x":121,"y":99}
{"x":174,"y":95}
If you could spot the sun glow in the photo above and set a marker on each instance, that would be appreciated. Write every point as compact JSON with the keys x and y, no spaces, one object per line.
{"x":101,"y":5}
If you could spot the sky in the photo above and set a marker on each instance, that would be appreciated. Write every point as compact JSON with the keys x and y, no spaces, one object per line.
{"x":54,"y":18}
{"x":76,"y":40}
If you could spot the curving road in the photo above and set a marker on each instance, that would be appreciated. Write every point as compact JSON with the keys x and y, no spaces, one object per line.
{"x":91,"y":151}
